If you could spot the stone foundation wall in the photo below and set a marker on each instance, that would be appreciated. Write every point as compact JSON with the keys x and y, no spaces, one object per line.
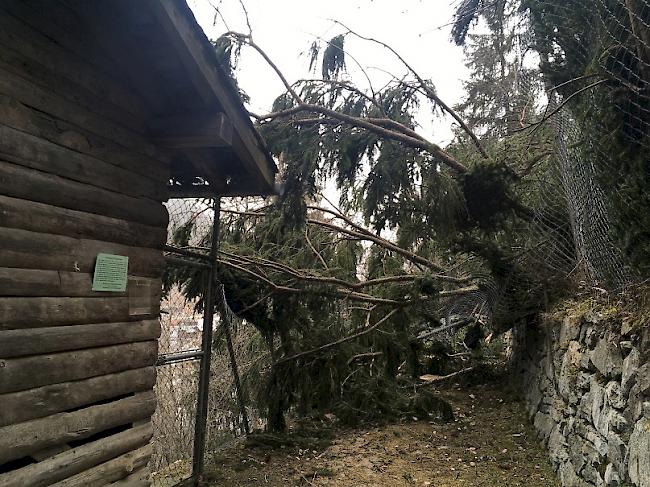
{"x":586,"y":378}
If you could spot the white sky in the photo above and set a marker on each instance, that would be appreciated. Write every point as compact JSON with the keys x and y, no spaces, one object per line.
{"x":286,"y":28}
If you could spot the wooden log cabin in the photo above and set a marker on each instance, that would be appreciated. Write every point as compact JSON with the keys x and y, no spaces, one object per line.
{"x":107,"y":109}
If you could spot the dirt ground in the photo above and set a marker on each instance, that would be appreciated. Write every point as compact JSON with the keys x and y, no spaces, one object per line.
{"x":489,"y":444}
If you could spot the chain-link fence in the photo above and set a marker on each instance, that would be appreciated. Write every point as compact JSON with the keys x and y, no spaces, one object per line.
{"x":590,"y":211}
{"x":236,"y":355}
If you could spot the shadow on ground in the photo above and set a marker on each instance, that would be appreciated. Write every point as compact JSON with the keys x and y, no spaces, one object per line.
{"x":490,"y":443}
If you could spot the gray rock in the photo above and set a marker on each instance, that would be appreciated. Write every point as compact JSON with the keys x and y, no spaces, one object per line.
{"x":617,"y":451}
{"x":569,"y":373}
{"x":634,"y":409}
{"x":614,"y":395}
{"x":639,"y":459}
{"x":627,"y":326}
{"x":568,"y":476}
{"x":599,"y":408}
{"x":591,"y":473}
{"x":569,"y":331}
{"x":643,"y":379}
{"x":557,"y":447}
{"x":612,"y":478}
{"x":629,"y":371}
{"x":607,"y":358}
{"x":583,"y":380}
{"x":590,"y":337}
{"x":544,"y":424}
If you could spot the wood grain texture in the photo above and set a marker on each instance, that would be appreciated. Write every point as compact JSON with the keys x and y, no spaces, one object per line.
{"x":34,"y":250}
{"x":76,"y":460}
{"x":39,"y":341}
{"x":23,"y":439}
{"x":44,"y":218}
{"x":22,"y":182}
{"x":55,"y":398}
{"x":19,"y":374}
{"x":111,"y":471}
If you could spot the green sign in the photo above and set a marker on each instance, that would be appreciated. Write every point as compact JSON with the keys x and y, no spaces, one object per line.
{"x":111,"y":273}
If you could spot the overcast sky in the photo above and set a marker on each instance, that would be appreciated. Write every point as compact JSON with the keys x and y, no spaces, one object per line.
{"x":417,"y":29}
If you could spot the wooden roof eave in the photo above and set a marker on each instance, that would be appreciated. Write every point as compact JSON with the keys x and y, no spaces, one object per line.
{"x":214,"y":86}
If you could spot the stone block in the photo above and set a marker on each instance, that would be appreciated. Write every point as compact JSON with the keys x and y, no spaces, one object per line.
{"x":569,"y":331}
{"x":643,"y":379}
{"x":615,"y":396}
{"x":612,"y":478}
{"x":639,"y":456}
{"x":557,"y":447}
{"x":617,"y":451}
{"x":630,"y":369}
{"x":607,"y":358}
{"x":544,"y":425}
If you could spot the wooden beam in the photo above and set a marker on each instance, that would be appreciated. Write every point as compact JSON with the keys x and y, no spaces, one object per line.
{"x":111,"y":471}
{"x":38,"y":341}
{"x":192,"y":131}
{"x":17,"y":374}
{"x":45,"y":218}
{"x":21,"y":406}
{"x":20,"y":313}
{"x":78,"y":459}
{"x":34,"y":250}
{"x":36,"y":153}
{"x":29,"y":184}
{"x":23,"y":439}
{"x":50,"y":283}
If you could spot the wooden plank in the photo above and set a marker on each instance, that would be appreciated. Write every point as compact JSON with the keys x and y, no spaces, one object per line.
{"x":75,"y":54}
{"x":38,"y":282}
{"x":21,"y":182}
{"x":20,"y":313}
{"x":18,"y":407}
{"x":78,"y":459}
{"x":23,"y":439}
{"x":52,"y":80}
{"x":28,"y":150}
{"x":33,"y":95}
{"x":44,"y":218}
{"x":139,"y":478}
{"x":110,"y":471}
{"x":37,"y":341}
{"x":109,"y":27}
{"x":17,"y":374}
{"x":40,"y":124}
{"x":34,"y":250}
{"x":192,"y":131}
{"x":193,"y":49}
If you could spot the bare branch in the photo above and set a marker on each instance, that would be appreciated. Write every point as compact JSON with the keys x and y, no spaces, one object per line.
{"x":313,"y":249}
{"x":338,"y":342}
{"x":429,"y":91}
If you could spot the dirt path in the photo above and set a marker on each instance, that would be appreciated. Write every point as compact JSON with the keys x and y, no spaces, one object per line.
{"x":489,"y":444}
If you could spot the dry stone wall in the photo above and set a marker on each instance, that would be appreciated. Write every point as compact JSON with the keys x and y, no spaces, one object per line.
{"x":586,"y":378}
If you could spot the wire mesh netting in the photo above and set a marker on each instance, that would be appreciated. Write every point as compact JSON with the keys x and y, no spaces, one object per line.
{"x":247,"y":355}
{"x":589,"y":202}
{"x":236,"y":347}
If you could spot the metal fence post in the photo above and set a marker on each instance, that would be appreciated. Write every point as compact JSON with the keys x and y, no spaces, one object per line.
{"x":235,"y":370}
{"x":200,"y":426}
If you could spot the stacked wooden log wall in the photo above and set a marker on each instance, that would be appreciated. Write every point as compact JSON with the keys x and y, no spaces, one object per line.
{"x":77,"y":177}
